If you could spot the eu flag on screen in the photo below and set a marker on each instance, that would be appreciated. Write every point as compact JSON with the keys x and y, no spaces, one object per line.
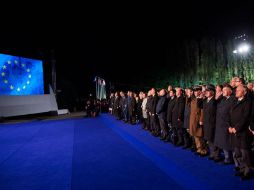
{"x":20,"y":76}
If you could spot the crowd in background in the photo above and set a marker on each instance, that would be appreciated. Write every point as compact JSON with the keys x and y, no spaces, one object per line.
{"x":214,"y":121}
{"x":93,"y":106}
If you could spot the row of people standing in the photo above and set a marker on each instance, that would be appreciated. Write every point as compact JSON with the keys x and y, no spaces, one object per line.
{"x":126,"y":107}
{"x":209,"y":119}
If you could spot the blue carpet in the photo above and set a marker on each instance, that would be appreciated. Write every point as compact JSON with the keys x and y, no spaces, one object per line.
{"x":103,"y":160}
{"x":101,"y":153}
{"x":40,"y":159}
{"x":207,"y":174}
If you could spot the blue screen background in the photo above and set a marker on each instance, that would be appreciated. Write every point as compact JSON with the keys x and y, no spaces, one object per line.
{"x":20,"y":76}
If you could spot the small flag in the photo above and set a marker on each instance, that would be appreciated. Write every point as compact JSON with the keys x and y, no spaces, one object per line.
{"x":99,"y":81}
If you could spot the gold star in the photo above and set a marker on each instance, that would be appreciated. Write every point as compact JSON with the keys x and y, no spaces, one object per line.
{"x":5,"y":81}
{"x":16,"y":62}
{"x":24,"y":87}
{"x":4,"y":67}
{"x":3,"y":74}
{"x":23,"y":65}
{"x":11,"y":87}
{"x":28,"y":70}
{"x":29,"y":76}
{"x":18,"y":89}
{"x":28,"y":82}
{"x":9,"y":62}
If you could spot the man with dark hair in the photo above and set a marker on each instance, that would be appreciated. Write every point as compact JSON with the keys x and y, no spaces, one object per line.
{"x":148,"y":110}
{"x":178,"y":116}
{"x":171,"y":104}
{"x":154,"y":99}
{"x":209,"y":108}
{"x":124,"y":106}
{"x":233,"y":84}
{"x":131,"y":102}
{"x":116,"y":107}
{"x":161,"y":111}
{"x":111,"y":102}
{"x":241,"y":81}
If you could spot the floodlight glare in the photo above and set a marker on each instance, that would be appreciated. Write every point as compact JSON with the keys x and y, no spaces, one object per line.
{"x":243,"y":48}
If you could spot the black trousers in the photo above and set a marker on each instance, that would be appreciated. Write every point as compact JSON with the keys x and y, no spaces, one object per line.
{"x":153,"y":124}
{"x":164,"y":127}
{"x":242,"y":156}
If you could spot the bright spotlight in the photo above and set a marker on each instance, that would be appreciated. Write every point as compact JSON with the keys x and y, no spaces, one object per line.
{"x":243,"y":48}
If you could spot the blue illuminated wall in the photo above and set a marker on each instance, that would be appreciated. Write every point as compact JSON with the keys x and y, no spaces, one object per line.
{"x":20,"y":76}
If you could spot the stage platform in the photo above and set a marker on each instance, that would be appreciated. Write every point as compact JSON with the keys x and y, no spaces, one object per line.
{"x":44,"y":116}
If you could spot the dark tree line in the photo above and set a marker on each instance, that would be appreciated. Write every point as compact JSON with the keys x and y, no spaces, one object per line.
{"x":203,"y":61}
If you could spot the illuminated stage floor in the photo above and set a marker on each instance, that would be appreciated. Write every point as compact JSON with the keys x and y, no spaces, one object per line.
{"x":101,"y":153}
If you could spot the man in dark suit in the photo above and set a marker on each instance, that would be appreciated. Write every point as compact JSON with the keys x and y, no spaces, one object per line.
{"x":222,"y":136}
{"x":148,"y":110}
{"x":131,"y":102}
{"x":124,"y":106}
{"x":152,"y":112}
{"x":171,"y":104}
{"x":239,"y":129}
{"x":161,"y":110}
{"x":209,"y":109}
{"x":178,"y":116}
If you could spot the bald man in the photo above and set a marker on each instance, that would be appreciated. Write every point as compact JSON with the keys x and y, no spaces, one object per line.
{"x":240,"y":134}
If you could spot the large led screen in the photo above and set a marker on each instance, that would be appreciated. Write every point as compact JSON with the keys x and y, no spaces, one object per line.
{"x":20,"y":76}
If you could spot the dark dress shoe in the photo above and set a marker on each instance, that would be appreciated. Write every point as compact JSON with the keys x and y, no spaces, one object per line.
{"x":179,"y":144}
{"x":197,"y":153}
{"x":185,"y":147}
{"x":217,"y":160}
{"x":166,"y":139}
{"x":227,"y":162}
{"x":203,"y":155}
{"x":237,"y":169}
{"x":246,"y":177}
{"x":210,"y":158}
{"x":238,"y":174}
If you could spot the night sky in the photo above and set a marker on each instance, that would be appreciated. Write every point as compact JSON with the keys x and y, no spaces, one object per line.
{"x":121,"y":45}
